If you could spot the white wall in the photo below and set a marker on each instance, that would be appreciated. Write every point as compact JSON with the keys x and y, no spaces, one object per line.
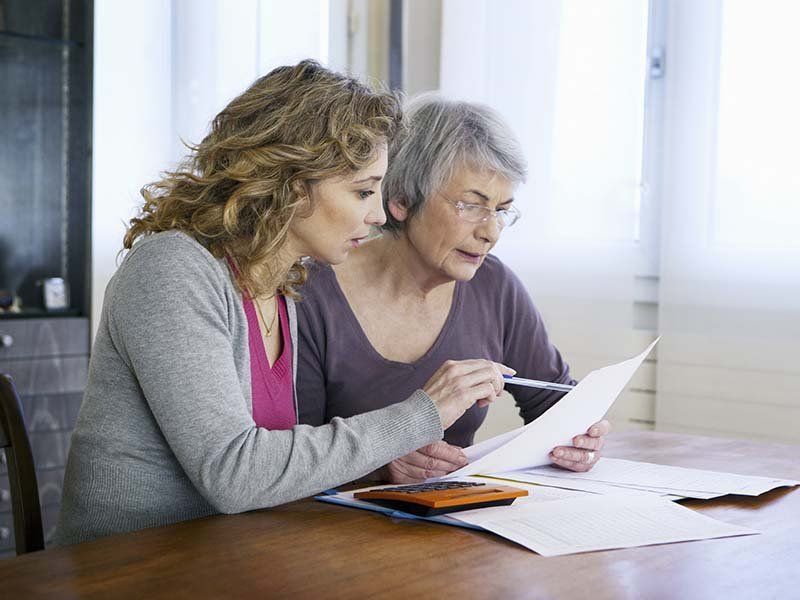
{"x":132,"y":123}
{"x":291,"y":31}
{"x":422,"y":36}
{"x":162,"y":70}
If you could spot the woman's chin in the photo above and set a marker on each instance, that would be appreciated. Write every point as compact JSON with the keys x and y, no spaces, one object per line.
{"x":462,"y":271}
{"x":332,"y":258}
{"x":466,"y":274}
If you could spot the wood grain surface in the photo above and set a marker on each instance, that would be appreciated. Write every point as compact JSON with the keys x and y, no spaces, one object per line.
{"x":309,"y":549}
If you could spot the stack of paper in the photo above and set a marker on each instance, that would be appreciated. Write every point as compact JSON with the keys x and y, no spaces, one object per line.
{"x":594,"y":522}
{"x":537,"y":494}
{"x":553,"y":521}
{"x":612,"y":474}
{"x":618,"y":504}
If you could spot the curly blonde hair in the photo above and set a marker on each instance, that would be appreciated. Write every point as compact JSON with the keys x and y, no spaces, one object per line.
{"x":240,"y":188}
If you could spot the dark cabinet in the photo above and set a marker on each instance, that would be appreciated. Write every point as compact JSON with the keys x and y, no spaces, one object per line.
{"x":48,"y":359}
{"x":45,"y":213}
{"x":45,"y":149}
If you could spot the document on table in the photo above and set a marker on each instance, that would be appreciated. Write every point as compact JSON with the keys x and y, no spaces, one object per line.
{"x":529,"y":446}
{"x":536,"y":494}
{"x":690,"y":483}
{"x":592,"y":522}
{"x":531,"y":476}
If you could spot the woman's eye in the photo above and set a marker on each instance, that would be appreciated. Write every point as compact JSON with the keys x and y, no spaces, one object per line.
{"x":364,"y":194}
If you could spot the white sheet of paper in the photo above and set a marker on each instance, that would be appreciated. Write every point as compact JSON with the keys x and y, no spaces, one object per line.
{"x":592,"y":487}
{"x":681,"y":480}
{"x":535,"y":494}
{"x":483,"y":448}
{"x":593,"y":522}
{"x":530,"y":446}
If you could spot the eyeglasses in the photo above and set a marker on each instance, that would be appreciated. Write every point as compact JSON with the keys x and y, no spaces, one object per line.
{"x":476,"y":213}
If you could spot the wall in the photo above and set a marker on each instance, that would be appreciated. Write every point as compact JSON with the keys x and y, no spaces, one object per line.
{"x":162,"y":70}
{"x":132,"y":121}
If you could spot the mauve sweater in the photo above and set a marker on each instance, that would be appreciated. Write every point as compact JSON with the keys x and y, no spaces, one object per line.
{"x":166,"y":431}
{"x":340,"y":373}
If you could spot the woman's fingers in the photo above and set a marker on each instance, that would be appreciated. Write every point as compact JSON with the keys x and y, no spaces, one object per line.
{"x":593,"y":439}
{"x":457,"y":385}
{"x":504,"y":370}
{"x":572,"y":465}
{"x":576,"y":455}
{"x":488,"y":375}
{"x":446,"y":452}
{"x":434,"y":460}
{"x":586,"y":442}
{"x":599,"y":429}
{"x":437,"y":462}
{"x":490,"y":371}
{"x":585,"y":451}
{"x":464,"y":367}
{"x":468,"y":373}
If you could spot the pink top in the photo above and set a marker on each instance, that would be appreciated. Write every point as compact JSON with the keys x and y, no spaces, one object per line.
{"x":271,"y":388}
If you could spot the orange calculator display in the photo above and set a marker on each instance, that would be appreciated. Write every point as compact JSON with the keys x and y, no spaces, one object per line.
{"x":429,"y":499}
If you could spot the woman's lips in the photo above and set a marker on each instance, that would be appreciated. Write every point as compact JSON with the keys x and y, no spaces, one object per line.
{"x":356,"y":242}
{"x":473,"y":258}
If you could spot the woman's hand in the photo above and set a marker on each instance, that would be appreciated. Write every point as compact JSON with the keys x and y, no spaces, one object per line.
{"x":585,"y":451}
{"x":434,"y":460}
{"x":457,"y":385}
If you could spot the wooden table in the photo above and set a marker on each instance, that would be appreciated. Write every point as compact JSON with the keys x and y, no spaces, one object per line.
{"x":309,"y":549}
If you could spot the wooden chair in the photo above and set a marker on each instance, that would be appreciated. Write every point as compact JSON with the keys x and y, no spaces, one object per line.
{"x":28,"y":533}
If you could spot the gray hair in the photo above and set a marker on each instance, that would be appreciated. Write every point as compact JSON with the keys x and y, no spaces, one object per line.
{"x":439,"y":137}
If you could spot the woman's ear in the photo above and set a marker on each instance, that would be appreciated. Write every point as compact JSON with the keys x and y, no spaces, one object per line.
{"x":302,"y":192}
{"x":398,"y":209}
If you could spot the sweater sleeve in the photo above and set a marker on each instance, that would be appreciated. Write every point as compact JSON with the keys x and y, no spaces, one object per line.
{"x":528,"y":350}
{"x":171,"y":323}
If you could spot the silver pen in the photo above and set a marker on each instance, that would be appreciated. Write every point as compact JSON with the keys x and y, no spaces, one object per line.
{"x":535,"y":383}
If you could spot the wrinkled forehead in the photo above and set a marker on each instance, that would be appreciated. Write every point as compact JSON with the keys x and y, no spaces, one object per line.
{"x":467,"y":177}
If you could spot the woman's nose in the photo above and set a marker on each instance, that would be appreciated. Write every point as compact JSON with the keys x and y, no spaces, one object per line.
{"x":376,"y":215}
{"x":491,"y":228}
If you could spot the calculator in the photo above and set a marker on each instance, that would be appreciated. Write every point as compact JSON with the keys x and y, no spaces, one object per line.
{"x":430,"y":499}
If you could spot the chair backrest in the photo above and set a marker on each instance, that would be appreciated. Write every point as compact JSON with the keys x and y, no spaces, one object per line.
{"x":28,"y":533}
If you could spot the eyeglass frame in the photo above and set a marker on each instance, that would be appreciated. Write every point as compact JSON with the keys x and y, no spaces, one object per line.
{"x":461,"y":205}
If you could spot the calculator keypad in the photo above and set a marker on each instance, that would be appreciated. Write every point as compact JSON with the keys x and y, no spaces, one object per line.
{"x":429,"y":487}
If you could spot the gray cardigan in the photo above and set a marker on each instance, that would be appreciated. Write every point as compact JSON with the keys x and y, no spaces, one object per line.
{"x":166,"y":433}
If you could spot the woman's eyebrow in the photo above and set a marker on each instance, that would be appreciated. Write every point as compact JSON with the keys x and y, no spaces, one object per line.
{"x":371,"y":178}
{"x":485,"y":198}
{"x":481,"y":195}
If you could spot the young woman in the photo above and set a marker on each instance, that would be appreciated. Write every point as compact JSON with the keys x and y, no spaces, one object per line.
{"x":190,"y":407}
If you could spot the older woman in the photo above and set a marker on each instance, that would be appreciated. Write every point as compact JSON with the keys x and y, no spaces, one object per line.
{"x":427,"y":291}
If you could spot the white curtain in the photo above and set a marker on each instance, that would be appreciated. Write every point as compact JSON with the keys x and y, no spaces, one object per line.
{"x":570,"y":78}
{"x":219,"y":47}
{"x":729,"y":361}
{"x":162,"y":70}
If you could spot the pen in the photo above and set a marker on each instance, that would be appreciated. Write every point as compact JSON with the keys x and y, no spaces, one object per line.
{"x":534,"y":383}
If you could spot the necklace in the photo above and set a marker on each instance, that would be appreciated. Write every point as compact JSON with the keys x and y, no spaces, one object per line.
{"x":235,"y":268}
{"x":263,"y":320}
